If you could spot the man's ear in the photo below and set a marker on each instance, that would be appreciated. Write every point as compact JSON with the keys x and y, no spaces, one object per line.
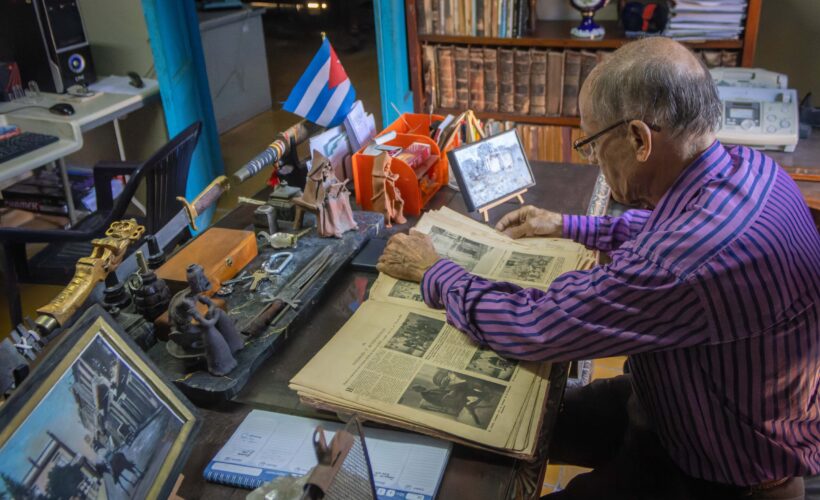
{"x":640,"y":136}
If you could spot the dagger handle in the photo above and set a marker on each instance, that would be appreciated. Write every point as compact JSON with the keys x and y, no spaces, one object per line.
{"x":258,"y":324}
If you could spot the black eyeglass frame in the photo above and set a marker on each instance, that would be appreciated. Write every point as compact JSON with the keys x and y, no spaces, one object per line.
{"x":583,"y":141}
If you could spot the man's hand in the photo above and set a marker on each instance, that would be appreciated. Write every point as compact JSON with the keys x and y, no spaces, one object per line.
{"x":408,"y":257}
{"x":531,"y":221}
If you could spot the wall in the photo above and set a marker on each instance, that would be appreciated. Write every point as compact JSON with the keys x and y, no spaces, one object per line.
{"x":789,"y":42}
{"x":119,"y":44}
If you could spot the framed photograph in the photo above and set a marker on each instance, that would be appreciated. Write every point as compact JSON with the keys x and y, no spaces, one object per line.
{"x":94,"y":420}
{"x":491,"y":170}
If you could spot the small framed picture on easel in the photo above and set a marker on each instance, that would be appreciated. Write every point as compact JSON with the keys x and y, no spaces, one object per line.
{"x":491,"y":171}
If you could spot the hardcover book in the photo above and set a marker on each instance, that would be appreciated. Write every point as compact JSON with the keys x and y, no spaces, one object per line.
{"x":555,"y":82}
{"x":446,"y":77}
{"x":538,"y":82}
{"x":572,"y":78}
{"x":476,"y":79}
{"x":522,"y":81}
{"x":462,"y":69}
{"x":490,"y":80}
{"x":506,"y":80}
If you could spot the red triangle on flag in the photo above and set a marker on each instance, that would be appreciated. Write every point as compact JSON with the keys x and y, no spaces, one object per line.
{"x":337,"y":72}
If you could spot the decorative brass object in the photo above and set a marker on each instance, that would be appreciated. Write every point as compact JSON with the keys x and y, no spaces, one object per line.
{"x":206,"y":198}
{"x":107,"y":254}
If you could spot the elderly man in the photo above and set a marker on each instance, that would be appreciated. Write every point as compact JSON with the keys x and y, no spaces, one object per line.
{"x":712,"y":291}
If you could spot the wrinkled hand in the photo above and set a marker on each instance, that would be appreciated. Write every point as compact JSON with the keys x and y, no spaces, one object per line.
{"x":531,"y":221}
{"x":408,"y":257}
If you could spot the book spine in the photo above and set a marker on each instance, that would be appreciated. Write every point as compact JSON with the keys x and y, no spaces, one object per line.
{"x":522,"y":81}
{"x":429,"y":76}
{"x":35,"y":206}
{"x":572,"y":76}
{"x":555,"y":82}
{"x":462,"y":68}
{"x":506,"y":80}
{"x":479,"y":17}
{"x":538,"y":82}
{"x":477,"y":79}
{"x":446,"y":77}
{"x":490,"y":80}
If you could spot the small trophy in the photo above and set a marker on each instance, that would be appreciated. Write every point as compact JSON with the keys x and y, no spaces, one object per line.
{"x":588,"y":28}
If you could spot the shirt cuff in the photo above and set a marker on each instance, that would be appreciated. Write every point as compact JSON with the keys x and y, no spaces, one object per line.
{"x":580,"y":228}
{"x":437,"y":280}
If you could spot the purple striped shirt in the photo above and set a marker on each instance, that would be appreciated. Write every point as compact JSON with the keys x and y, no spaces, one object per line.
{"x":714,"y":295}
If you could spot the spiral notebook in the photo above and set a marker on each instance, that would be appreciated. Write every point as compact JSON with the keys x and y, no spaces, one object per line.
{"x":268,"y":445}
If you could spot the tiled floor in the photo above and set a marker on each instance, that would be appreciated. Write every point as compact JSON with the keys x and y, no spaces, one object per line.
{"x":557,"y":476}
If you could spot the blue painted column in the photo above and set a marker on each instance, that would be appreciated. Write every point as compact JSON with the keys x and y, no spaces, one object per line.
{"x":391,"y":46}
{"x":173,"y":29}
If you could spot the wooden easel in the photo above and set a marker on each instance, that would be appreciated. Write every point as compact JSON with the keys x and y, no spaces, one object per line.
{"x":485,"y":212}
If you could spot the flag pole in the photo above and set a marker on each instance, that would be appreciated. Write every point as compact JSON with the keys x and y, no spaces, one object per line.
{"x":323,"y":36}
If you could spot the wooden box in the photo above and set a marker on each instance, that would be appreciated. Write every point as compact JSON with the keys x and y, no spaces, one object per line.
{"x":221,"y":252}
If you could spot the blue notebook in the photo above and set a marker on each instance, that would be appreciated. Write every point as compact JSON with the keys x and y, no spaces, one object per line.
{"x":268,"y":445}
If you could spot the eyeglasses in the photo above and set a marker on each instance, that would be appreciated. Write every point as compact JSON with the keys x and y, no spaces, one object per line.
{"x":585,"y":145}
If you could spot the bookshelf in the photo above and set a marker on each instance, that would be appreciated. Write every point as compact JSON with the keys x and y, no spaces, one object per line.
{"x":552,"y":35}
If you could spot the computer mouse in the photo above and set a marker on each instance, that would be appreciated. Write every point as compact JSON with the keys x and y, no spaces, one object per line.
{"x":136,"y":81}
{"x":62,"y":108}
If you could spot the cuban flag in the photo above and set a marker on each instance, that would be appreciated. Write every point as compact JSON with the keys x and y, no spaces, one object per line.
{"x":323,"y":94}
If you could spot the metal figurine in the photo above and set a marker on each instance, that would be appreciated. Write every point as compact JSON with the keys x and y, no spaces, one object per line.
{"x":152,"y":297}
{"x":386,"y":196}
{"x":328,"y":198}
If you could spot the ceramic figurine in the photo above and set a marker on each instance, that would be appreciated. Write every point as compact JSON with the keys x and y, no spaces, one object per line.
{"x":386,"y":196}
{"x":194,"y":335}
{"x":328,"y":198}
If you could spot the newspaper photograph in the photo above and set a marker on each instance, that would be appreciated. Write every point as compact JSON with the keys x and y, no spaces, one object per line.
{"x":465,"y":399}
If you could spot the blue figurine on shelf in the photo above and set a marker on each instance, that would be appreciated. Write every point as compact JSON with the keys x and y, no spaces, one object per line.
{"x":588,"y":28}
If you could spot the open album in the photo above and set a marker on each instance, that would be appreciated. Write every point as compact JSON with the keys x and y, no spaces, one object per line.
{"x":397,"y":361}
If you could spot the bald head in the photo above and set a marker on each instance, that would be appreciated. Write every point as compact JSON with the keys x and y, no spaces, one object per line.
{"x":656,"y":80}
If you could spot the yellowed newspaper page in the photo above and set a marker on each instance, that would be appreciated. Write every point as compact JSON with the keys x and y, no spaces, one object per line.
{"x":410,"y":365}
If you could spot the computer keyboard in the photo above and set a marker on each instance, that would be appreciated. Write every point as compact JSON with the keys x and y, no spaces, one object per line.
{"x":23,"y":143}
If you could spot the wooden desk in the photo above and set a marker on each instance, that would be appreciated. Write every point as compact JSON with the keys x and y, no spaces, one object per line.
{"x":470,"y":473}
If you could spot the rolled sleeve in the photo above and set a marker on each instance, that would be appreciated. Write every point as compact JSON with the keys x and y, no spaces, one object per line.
{"x":604,"y":233}
{"x":437,"y":280}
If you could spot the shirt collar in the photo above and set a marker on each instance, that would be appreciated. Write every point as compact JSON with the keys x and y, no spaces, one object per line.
{"x":704,"y":167}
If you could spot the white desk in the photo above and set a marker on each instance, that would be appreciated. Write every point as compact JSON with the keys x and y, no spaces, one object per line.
{"x":105,"y":107}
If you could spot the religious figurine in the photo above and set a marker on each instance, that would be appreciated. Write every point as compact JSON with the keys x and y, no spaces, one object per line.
{"x":328,"y":198}
{"x":386,"y":196}
{"x":193,"y":335}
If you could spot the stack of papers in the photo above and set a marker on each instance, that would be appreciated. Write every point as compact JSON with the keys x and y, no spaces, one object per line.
{"x":706,"y":19}
{"x":398,"y":362}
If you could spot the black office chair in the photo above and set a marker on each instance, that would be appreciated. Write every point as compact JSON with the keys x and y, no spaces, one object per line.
{"x":166,"y":175}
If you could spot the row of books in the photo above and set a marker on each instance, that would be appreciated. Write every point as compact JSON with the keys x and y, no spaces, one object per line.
{"x":489,"y":18}
{"x":706,"y":19}
{"x":524,"y":81}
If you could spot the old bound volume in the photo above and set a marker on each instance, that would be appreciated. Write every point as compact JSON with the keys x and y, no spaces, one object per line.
{"x":398,"y":362}
{"x":572,"y":77}
{"x":538,"y":82}
{"x":555,"y":82}
{"x":428,"y":64}
{"x":506,"y":80}
{"x":588,"y":62}
{"x":477,"y":79}
{"x":462,"y":65}
{"x":522,"y":81}
{"x":446,"y":77}
{"x":490,"y":80}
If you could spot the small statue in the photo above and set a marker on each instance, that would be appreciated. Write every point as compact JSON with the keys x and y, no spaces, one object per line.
{"x":220,"y":336}
{"x":386,"y":196}
{"x":328,"y":198}
{"x":193,"y":335}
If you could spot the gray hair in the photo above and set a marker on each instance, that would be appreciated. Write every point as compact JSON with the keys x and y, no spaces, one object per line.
{"x":660,"y":89}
